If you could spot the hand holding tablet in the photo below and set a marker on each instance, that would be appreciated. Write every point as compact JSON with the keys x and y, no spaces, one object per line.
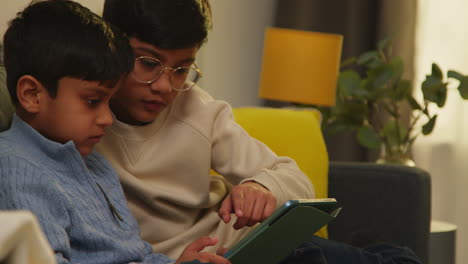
{"x":289,"y":226}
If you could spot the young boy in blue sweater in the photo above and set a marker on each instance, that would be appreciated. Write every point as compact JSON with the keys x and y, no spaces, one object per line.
{"x":63,"y":65}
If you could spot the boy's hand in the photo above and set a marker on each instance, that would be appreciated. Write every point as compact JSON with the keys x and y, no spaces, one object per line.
{"x":250,"y":201}
{"x":192,"y":252}
{"x":221,"y":251}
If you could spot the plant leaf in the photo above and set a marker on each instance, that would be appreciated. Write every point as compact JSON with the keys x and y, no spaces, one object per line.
{"x":352,"y":113}
{"x":402,"y":90}
{"x":413,"y":103}
{"x":349,"y":84}
{"x":380,"y":76}
{"x":436,"y":71}
{"x":434,"y":90}
{"x":455,"y":75}
{"x":397,"y":68}
{"x":429,"y":126}
{"x":391,"y":111}
{"x":348,"y":62}
{"x":463,"y":87}
{"x":368,"y":137}
{"x":375,"y":63}
{"x":394,"y":132}
{"x":383,"y":44}
{"x":367,"y":57}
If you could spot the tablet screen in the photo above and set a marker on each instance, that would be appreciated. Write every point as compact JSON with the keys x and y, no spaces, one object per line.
{"x":290,"y":225}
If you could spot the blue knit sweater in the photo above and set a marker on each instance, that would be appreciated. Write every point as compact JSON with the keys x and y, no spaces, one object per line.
{"x":72,"y":199}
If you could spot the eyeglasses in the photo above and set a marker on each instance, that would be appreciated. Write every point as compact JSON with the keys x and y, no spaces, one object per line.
{"x":148,"y":70}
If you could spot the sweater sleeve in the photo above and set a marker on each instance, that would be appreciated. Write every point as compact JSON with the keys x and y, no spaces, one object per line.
{"x":25,"y":187}
{"x":239,"y":157}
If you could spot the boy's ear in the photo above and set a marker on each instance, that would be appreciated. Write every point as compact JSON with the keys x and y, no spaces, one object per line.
{"x":29,"y":92}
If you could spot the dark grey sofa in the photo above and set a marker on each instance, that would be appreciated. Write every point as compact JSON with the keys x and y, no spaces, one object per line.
{"x":389,"y":203}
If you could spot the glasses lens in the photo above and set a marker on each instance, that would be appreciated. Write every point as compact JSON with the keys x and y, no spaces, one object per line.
{"x":146,"y":69}
{"x":184,"y":78}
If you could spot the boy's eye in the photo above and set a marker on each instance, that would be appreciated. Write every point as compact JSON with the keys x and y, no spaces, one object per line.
{"x":149,"y":64}
{"x":182,"y":71}
{"x":92,"y":102}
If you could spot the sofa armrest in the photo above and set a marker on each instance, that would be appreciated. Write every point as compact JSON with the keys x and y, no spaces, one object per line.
{"x":22,"y":239}
{"x":387,"y":203}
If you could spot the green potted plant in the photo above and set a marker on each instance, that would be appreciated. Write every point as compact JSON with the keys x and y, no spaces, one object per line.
{"x":373,"y":99}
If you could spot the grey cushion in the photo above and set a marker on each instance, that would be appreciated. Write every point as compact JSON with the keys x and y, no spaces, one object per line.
{"x":381,"y":203}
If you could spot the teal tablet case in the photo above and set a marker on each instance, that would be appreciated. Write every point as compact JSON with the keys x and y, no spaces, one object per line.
{"x":274,"y":241}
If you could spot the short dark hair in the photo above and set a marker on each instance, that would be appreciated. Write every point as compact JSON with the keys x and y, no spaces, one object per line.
{"x":60,"y":38}
{"x":166,"y":24}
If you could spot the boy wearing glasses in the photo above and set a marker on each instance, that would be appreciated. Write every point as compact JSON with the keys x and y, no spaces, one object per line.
{"x":168,"y":134}
{"x":61,"y":84}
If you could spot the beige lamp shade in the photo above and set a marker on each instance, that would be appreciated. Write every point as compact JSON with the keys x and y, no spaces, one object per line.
{"x":300,"y":66}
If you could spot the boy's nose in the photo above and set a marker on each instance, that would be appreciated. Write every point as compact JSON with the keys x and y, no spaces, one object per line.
{"x":105,"y":117}
{"x":162,"y":84}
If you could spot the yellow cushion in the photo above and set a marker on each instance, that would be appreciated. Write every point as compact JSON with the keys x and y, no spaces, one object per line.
{"x":294,"y":133}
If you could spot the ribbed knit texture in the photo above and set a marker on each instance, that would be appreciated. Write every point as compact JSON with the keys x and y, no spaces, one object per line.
{"x":60,"y":187}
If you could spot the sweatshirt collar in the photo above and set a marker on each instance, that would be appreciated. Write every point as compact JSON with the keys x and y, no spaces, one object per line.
{"x":140,"y":133}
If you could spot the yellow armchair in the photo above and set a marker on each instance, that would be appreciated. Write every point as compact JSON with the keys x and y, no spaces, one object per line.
{"x":294,"y":133}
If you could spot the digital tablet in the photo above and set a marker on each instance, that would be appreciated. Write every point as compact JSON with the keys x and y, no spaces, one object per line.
{"x":289,"y":226}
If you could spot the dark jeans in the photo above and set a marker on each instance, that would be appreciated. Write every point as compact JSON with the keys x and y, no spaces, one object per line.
{"x":323,"y":251}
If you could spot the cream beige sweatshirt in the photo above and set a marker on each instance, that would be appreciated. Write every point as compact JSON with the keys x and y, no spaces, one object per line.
{"x":165,"y":167}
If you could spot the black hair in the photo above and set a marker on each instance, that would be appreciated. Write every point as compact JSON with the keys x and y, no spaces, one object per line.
{"x":166,"y":24}
{"x":53,"y":39}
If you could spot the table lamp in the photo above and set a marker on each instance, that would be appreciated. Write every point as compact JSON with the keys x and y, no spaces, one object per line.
{"x":300,"y":66}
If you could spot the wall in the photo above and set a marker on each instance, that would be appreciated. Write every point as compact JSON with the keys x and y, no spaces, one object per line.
{"x":231,"y":59}
{"x":442,"y":38}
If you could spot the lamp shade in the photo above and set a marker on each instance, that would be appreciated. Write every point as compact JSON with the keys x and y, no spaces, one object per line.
{"x":300,"y":66}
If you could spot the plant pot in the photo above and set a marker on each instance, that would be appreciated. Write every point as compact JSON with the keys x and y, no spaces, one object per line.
{"x":396,"y":154}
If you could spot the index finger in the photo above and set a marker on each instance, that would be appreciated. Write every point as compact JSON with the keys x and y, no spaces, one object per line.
{"x":238,"y":199}
{"x":269,"y":209}
{"x":225,"y":210}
